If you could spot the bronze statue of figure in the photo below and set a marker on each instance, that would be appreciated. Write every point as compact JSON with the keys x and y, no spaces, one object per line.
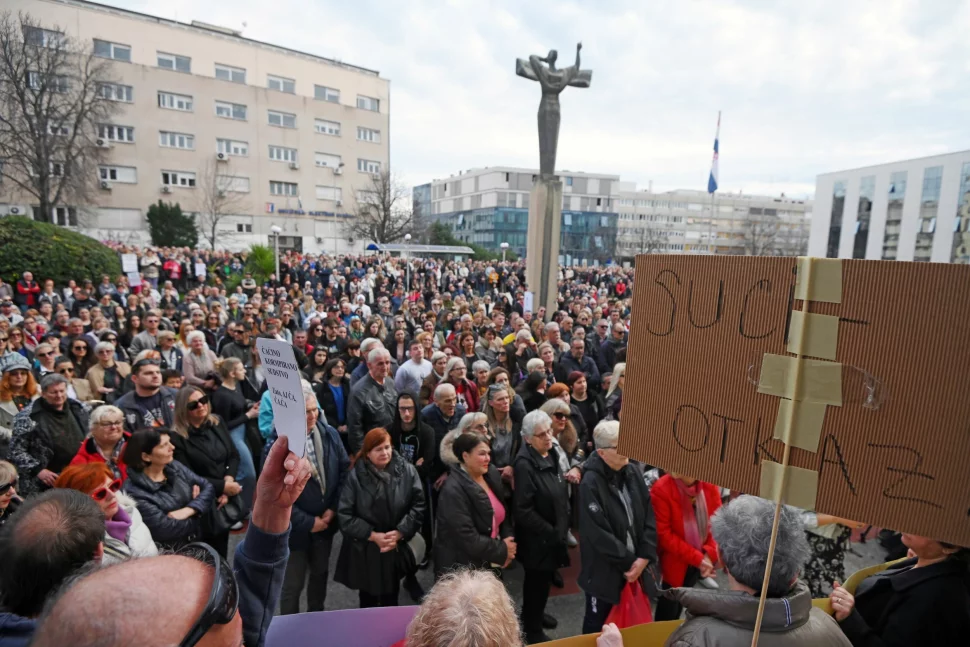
{"x":553,"y":82}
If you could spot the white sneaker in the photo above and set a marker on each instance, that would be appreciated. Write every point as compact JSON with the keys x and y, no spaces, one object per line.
{"x":236,"y":526}
{"x":570,"y":540}
{"x":709,"y":583}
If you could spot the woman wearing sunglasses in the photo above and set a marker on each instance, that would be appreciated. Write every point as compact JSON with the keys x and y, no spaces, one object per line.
{"x":18,"y":388}
{"x":9,"y":501}
{"x":81,"y":356}
{"x":125,"y":534}
{"x":202,"y":442}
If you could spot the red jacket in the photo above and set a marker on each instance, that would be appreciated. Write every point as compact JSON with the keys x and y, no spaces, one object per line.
{"x":88,"y":453}
{"x":674,"y":552}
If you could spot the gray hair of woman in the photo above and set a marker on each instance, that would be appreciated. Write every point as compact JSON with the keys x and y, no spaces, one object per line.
{"x":742,"y":530}
{"x":444,"y":617}
{"x":568,"y":438}
{"x":480,"y":365}
{"x":618,"y":371}
{"x":606,"y":434}
{"x":195,"y":334}
{"x":453,"y":363}
{"x":535,"y":421}
{"x":102,"y":412}
{"x":535,"y":365}
{"x":469,"y":421}
{"x":104,"y":345}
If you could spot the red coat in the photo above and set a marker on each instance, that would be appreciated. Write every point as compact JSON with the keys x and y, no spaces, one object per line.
{"x":88,"y":453}
{"x":674,"y":552}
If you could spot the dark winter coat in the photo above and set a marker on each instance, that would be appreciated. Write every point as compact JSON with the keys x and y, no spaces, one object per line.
{"x":156,"y":500}
{"x":32,"y":442}
{"x":329,"y":406}
{"x":209,"y":452}
{"x":464,"y":523}
{"x":540,"y":504}
{"x":368,"y":504}
{"x":435,"y":419}
{"x":912,"y":606}
{"x":567,"y":364}
{"x":314,"y":501}
{"x":603,"y":525}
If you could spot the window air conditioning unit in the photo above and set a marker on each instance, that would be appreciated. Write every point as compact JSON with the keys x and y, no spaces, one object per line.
{"x":222,"y":157}
{"x":294,"y":166}
{"x":102,"y":143}
{"x":340,"y":203}
{"x":222,"y":193}
{"x":166,"y":188}
{"x":14,"y":210}
{"x":338,"y":171}
{"x":319,"y":239}
{"x":105,"y":185}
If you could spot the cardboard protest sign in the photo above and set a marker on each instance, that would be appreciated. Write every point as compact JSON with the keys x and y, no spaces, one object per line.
{"x":283,"y":377}
{"x":879,"y":422}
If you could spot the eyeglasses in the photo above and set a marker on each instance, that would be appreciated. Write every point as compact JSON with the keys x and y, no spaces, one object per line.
{"x":195,"y":404}
{"x":65,"y":371}
{"x":80,"y":348}
{"x":405,"y":409}
{"x":223,"y":600}
{"x":111,"y":423}
{"x":47,"y":354}
{"x":102,"y":492}
{"x":559,"y":415}
{"x":6,"y":487}
{"x":3,"y":339}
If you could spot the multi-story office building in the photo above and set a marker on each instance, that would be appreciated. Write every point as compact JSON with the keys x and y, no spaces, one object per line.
{"x":913,"y":210}
{"x":293,"y":137}
{"x":490,"y":206}
{"x":680,"y":222}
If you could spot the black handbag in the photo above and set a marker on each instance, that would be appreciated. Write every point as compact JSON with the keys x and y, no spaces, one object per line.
{"x":218,"y":521}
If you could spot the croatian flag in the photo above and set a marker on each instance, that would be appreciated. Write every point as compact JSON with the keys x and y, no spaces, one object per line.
{"x":712,"y":180}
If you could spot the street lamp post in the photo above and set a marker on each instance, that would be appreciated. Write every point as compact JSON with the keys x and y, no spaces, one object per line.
{"x":276,"y":244}
{"x":407,"y":263}
{"x":504,"y":247}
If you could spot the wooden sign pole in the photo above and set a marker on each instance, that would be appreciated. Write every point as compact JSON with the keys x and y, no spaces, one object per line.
{"x":783,"y":483}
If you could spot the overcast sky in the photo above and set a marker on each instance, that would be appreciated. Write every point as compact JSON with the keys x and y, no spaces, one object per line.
{"x":805,"y":87}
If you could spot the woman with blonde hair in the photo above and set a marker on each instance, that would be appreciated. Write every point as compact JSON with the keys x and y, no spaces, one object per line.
{"x":376,"y":329}
{"x":199,"y":362}
{"x":107,"y":377}
{"x":615,"y":391}
{"x":503,"y":432}
{"x":202,"y":443}
{"x":230,"y":403}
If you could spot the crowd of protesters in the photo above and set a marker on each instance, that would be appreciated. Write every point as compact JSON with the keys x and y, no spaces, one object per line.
{"x":447,"y":425}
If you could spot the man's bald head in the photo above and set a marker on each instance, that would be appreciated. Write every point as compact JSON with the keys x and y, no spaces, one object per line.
{"x":50,"y":538}
{"x":148,"y":601}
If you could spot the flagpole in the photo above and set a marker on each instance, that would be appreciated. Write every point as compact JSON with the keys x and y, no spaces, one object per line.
{"x":712,"y":185}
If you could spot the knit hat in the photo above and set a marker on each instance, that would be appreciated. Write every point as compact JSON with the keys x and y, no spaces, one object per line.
{"x":13,"y":362}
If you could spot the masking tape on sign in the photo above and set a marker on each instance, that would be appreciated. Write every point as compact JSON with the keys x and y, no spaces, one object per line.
{"x":799,"y":423}
{"x":824,"y":279}
{"x":813,"y":334}
{"x":819,"y":381}
{"x":800,"y":490}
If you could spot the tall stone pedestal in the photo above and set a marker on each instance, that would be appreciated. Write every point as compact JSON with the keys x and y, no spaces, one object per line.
{"x":542,"y":251}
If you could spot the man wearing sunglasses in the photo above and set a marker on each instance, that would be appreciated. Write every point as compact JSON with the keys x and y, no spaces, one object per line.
{"x":193,"y":597}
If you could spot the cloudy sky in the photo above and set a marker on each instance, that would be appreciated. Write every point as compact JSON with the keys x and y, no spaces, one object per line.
{"x":805,"y":87}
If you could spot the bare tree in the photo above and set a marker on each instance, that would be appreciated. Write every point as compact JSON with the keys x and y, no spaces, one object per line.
{"x":649,"y":240}
{"x":384,"y":211}
{"x":52,"y":99}
{"x":761,"y":235}
{"x":218,"y":198}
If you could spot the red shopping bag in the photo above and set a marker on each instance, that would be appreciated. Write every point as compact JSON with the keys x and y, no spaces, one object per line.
{"x":633,"y":609}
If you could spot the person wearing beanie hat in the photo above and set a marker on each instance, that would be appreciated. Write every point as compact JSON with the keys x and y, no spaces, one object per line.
{"x":18,"y":388}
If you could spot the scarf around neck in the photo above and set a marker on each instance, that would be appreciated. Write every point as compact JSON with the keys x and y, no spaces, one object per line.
{"x":694,"y":507}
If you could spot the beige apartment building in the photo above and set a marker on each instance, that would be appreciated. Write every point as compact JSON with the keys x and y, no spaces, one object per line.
{"x":689,"y":222}
{"x":288,"y":137}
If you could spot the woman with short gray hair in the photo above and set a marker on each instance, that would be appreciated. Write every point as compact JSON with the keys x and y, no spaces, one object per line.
{"x":199,"y":363}
{"x":540,"y":505}
{"x":106,"y":441}
{"x":107,"y":376}
{"x":742,"y":529}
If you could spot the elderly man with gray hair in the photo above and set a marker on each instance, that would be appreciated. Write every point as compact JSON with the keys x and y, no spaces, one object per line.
{"x":742,"y":529}
{"x":366,"y":346}
{"x":617,"y":525}
{"x":373,"y":400}
{"x":46,"y":435}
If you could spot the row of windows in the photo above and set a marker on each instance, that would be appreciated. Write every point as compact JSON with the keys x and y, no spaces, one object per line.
{"x":233,"y":147}
{"x":232,"y":74}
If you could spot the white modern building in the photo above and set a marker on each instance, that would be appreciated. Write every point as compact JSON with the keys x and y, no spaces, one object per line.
{"x":490,"y":206}
{"x":290,"y":136}
{"x":694,"y":222}
{"x":913,"y":210}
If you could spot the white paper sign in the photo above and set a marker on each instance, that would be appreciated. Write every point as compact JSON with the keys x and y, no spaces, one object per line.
{"x":134,"y":279}
{"x":283,"y":378}
{"x":527,"y":302}
{"x":129,"y":263}
{"x":200,"y":270}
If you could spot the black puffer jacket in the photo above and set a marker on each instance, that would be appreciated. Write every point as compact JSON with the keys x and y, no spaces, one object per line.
{"x":604,"y":525}
{"x":209,"y":452}
{"x":464,"y":519}
{"x":156,"y":500}
{"x":369,"y":504}
{"x":540,"y":503}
